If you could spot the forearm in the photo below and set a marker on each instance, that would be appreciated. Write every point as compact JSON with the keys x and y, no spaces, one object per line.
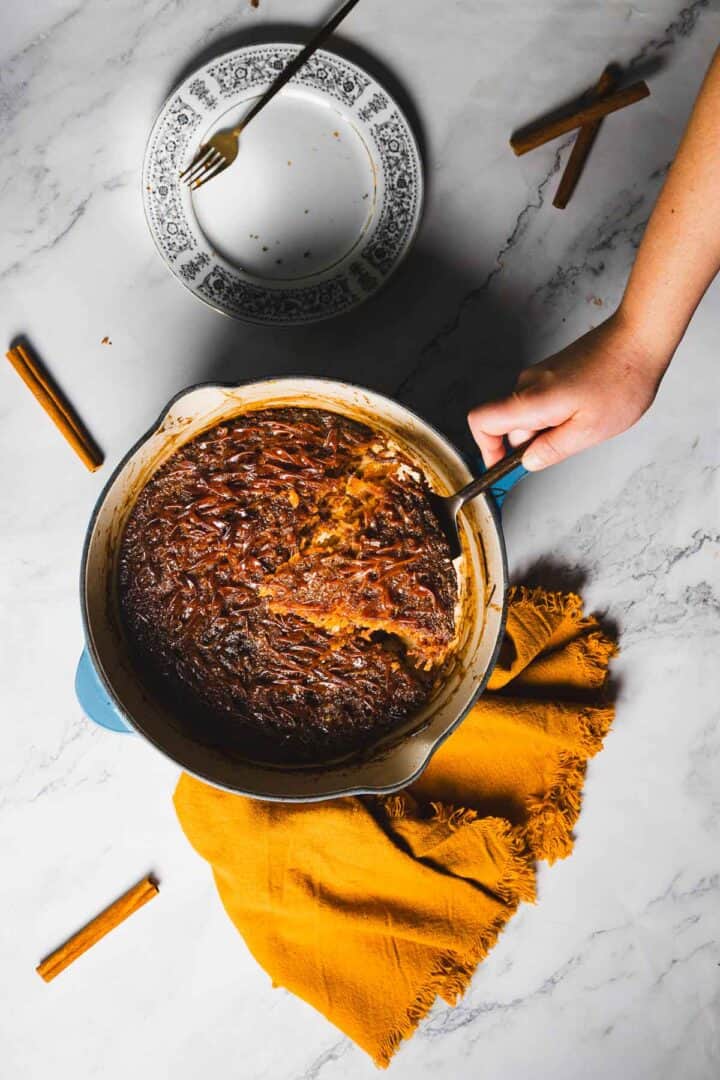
{"x":603,"y":383}
{"x":680,"y":252}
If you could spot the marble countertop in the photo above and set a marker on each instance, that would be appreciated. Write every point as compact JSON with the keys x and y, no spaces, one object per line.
{"x":615,"y":972}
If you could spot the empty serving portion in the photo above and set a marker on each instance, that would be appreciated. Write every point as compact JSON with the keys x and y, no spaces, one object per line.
{"x":320,"y":204}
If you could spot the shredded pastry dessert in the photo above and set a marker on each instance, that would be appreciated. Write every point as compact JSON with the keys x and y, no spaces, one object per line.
{"x":285,"y":586}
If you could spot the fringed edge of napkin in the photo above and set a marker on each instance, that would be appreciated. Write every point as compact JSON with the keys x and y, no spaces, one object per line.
{"x":548,"y":833}
{"x":452,"y":973}
{"x":517,"y":881}
{"x":595,"y":648}
{"x":555,"y":603}
{"x":449,"y":980}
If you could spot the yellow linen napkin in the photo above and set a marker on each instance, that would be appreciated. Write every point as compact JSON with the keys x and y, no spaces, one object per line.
{"x":370,"y":908}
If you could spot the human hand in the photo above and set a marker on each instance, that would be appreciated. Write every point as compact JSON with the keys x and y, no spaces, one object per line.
{"x":594,"y":389}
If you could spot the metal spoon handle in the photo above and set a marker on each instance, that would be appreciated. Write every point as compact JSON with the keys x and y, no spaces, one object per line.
{"x":493,"y":474}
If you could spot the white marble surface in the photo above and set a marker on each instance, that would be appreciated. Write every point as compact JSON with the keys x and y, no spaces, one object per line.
{"x":616,"y":971}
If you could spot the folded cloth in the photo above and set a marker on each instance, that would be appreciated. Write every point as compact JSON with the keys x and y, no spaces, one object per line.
{"x":370,"y":908}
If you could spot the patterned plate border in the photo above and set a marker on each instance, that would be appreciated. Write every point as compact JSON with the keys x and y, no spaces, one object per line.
{"x":194,"y":107}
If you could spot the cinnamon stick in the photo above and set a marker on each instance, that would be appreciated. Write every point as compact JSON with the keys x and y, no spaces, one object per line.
{"x":583,"y":144}
{"x":106,"y":921}
{"x":538,"y":134}
{"x":56,"y":405}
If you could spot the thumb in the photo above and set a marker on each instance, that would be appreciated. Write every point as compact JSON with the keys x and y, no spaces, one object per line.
{"x":556,"y":444}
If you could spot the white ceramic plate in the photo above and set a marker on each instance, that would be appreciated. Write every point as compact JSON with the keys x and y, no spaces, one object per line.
{"x":320,"y":205}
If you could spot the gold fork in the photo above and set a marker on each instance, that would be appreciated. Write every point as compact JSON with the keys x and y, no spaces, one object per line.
{"x":221,"y":149}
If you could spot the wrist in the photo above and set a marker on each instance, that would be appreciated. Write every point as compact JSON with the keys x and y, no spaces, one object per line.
{"x":648,"y":344}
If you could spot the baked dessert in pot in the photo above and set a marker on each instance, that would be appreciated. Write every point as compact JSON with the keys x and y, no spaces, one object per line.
{"x":283,"y":582}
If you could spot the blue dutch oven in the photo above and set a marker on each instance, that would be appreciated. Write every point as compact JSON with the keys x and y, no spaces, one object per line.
{"x":110,"y":690}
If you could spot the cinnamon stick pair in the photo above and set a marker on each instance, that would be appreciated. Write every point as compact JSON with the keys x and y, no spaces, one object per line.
{"x":605,"y":100}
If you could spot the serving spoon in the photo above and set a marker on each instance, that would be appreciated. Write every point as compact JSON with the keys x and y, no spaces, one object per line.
{"x":447,"y":507}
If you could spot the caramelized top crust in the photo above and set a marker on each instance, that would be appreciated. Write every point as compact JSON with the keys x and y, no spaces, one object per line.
{"x":283,"y":580}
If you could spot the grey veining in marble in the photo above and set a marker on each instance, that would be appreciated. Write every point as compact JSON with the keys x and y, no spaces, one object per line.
{"x":616,"y":971}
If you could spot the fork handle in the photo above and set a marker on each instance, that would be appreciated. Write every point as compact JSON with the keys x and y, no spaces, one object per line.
{"x":493,"y":474}
{"x":300,"y":60}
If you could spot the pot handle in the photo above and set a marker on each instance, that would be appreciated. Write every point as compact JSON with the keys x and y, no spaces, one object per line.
{"x":94,"y":698}
{"x":505,"y":484}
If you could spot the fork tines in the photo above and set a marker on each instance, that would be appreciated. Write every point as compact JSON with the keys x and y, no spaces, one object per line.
{"x":208,"y":162}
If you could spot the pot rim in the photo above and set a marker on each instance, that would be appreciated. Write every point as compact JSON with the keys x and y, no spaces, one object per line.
{"x":351,"y":790}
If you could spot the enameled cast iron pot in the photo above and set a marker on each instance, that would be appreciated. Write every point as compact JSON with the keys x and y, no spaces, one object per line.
{"x":111,"y":692}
